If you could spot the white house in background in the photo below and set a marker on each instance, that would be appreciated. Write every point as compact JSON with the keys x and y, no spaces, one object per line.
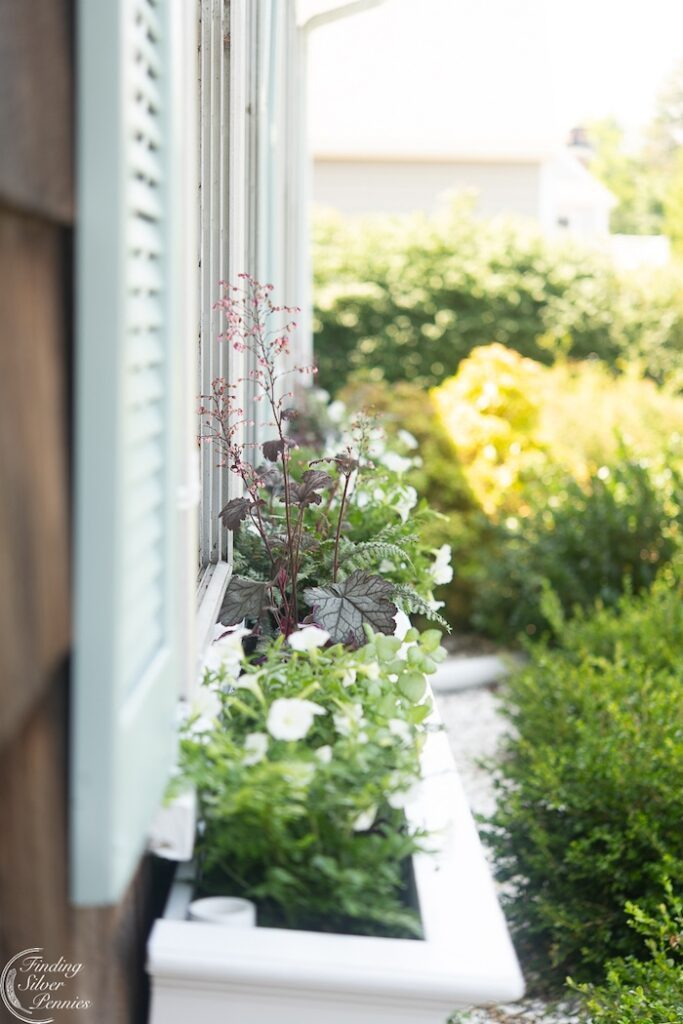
{"x":401,"y":117}
{"x":553,"y":189}
{"x":572,"y":199}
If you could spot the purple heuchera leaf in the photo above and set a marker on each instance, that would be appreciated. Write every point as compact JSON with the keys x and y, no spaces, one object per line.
{"x":344,"y":608}
{"x":345,"y":463}
{"x":235,"y":512}
{"x":244,"y":599}
{"x":312,"y":481}
{"x":272,"y":449}
{"x":271,"y":477}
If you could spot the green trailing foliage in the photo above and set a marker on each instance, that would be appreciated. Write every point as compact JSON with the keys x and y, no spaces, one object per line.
{"x":303,"y":758}
{"x":590,"y":783}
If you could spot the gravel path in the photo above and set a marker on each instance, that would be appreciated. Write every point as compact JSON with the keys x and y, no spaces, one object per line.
{"x":474,"y":727}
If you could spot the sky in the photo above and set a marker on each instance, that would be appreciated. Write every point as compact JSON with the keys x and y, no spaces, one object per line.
{"x":442,"y":76}
{"x":625,"y":48}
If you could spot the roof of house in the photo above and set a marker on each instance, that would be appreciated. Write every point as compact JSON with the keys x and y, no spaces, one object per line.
{"x":576,"y":185}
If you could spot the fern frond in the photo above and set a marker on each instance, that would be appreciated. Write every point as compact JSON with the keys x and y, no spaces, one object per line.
{"x":409,"y":600}
{"x":368,"y":553}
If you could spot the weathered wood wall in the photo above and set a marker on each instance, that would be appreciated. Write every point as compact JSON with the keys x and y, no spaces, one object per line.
{"x":37,"y":221}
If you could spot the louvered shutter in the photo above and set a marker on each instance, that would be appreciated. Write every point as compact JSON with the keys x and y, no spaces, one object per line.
{"x":135,"y":274}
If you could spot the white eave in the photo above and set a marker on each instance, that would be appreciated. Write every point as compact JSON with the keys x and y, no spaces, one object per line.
{"x":311,"y":14}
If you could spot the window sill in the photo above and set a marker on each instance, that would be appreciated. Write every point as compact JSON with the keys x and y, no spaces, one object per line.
{"x":173,"y":830}
{"x":212,"y":587}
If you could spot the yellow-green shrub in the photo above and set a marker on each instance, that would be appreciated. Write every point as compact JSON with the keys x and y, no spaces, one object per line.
{"x":515,"y":423}
{"x":491,"y":412}
{"x":586,"y":412}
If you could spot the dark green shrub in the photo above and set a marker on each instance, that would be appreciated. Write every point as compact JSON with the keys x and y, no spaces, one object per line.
{"x":586,"y":543}
{"x":408,"y":298}
{"x":649,"y":992}
{"x":590,"y":786}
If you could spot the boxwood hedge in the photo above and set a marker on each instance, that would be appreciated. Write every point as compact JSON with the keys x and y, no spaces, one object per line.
{"x":590,"y":786}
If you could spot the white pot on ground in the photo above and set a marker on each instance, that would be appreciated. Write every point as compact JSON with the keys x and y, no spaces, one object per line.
{"x":266,"y":975}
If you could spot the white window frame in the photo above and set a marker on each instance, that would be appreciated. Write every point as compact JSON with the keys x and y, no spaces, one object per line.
{"x":223,"y":218}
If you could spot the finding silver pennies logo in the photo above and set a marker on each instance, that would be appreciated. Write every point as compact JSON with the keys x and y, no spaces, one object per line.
{"x":32,"y":988}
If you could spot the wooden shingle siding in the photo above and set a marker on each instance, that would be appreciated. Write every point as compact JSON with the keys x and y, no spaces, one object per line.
{"x":36,"y":323}
{"x":36,"y":100}
{"x":34,"y":534}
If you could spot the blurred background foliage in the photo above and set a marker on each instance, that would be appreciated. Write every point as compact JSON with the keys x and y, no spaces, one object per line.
{"x":564,"y":477}
{"x":408,"y":298}
{"x":647,"y":179}
{"x":543,"y":387}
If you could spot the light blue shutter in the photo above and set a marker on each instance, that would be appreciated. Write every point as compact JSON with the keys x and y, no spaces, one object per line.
{"x":132,"y":615}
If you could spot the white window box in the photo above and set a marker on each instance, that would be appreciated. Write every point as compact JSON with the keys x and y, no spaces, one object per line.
{"x":258,"y":976}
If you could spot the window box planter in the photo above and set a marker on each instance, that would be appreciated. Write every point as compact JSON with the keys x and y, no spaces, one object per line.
{"x":266,"y":975}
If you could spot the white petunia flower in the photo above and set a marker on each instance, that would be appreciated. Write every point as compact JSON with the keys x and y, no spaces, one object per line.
{"x":249,"y":681}
{"x":401,"y":729}
{"x":349,"y":720}
{"x":308,"y":638}
{"x":336,"y":411}
{"x":441,"y":569}
{"x":206,"y":708}
{"x":405,"y":499}
{"x":290,"y":718}
{"x":299,"y":773}
{"x":255,"y":747}
{"x":226,"y":653}
{"x":370,"y":669}
{"x":401,"y":798}
{"x":324,"y":754}
{"x":349,"y":677}
{"x":396,"y":463}
{"x":238,"y":630}
{"x":403,"y":624}
{"x":365,"y":820}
